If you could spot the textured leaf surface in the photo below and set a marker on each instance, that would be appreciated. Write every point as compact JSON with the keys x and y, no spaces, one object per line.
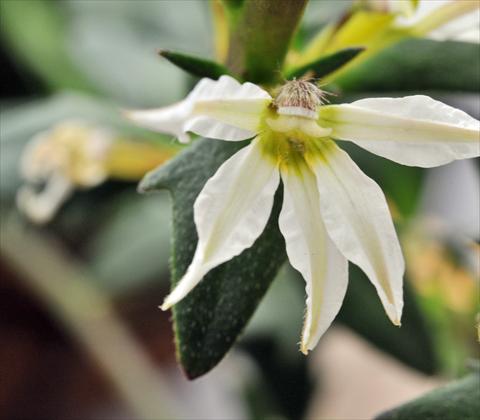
{"x":458,"y":400}
{"x":211,"y":317}
{"x":325,"y":65}
{"x":196,"y":66}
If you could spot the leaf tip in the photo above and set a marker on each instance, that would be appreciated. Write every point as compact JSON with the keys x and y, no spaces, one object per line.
{"x":162,"y":52}
{"x":146,"y":185}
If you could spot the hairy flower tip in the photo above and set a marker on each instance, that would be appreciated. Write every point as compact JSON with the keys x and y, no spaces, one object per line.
{"x":300,"y":98}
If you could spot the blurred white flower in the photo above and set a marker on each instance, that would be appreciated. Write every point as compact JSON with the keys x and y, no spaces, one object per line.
{"x":70,"y":155}
{"x":332,"y":212}
{"x":441,"y":20}
{"x":401,"y":7}
{"x":456,"y":20}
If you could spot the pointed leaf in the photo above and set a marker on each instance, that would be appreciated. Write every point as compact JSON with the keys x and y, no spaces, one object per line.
{"x":196,"y":66}
{"x":325,"y":65}
{"x":458,"y":400}
{"x":208,"y":321}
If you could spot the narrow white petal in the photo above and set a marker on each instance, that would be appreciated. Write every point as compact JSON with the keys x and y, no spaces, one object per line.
{"x":456,"y":20}
{"x":464,"y":29}
{"x":312,"y":253}
{"x":358,"y":221}
{"x":230,"y":213}
{"x":40,"y":207}
{"x":167,"y":120}
{"x":424,"y":9}
{"x":414,"y":130}
{"x":222,"y":109}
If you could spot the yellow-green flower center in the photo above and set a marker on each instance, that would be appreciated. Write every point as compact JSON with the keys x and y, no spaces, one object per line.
{"x":290,"y":127}
{"x":286,"y":139}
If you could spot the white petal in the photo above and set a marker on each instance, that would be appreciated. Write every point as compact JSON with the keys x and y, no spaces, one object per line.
{"x":312,"y":253}
{"x":423,"y":10}
{"x":464,"y":29}
{"x":414,"y":130}
{"x":222,"y":109}
{"x":230,"y":213}
{"x":40,"y":207}
{"x":358,"y":221}
{"x":445,"y":20}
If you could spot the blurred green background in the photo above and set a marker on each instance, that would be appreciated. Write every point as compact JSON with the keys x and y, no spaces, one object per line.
{"x":81,"y":332}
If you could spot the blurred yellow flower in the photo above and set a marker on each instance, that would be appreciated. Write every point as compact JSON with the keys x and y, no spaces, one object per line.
{"x":378,"y":24}
{"x":75,"y":155}
{"x":444,"y":265}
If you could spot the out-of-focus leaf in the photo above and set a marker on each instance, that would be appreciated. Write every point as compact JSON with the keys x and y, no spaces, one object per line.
{"x":232,"y":6}
{"x":260,"y":36}
{"x":271,"y":339}
{"x":284,"y":327}
{"x":110,"y":44}
{"x":208,"y":321}
{"x":458,"y":400}
{"x":134,"y":246}
{"x":415,"y":65}
{"x":196,"y":66}
{"x":286,"y":383}
{"x":114,"y":43}
{"x":362,"y":311}
{"x":325,"y":65}
{"x":35,"y":31}
{"x":320,"y":13}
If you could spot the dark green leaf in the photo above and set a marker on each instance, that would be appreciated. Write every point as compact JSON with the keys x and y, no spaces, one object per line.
{"x":233,"y":5}
{"x":325,"y":65}
{"x":458,"y":400}
{"x":211,"y":317}
{"x":285,"y":384}
{"x":260,"y":36}
{"x":417,"y":64}
{"x":363,"y":312}
{"x":196,"y":66}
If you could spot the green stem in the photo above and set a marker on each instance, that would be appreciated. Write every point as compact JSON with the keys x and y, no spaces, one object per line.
{"x":260,"y":36}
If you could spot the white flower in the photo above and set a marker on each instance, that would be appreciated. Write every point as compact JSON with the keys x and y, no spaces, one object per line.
{"x":331,"y":212}
{"x":400,"y":7}
{"x":68,"y":156}
{"x":441,"y":20}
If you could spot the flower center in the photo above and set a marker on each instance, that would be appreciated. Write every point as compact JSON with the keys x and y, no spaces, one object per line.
{"x":296,"y":106}
{"x":299,"y":98}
